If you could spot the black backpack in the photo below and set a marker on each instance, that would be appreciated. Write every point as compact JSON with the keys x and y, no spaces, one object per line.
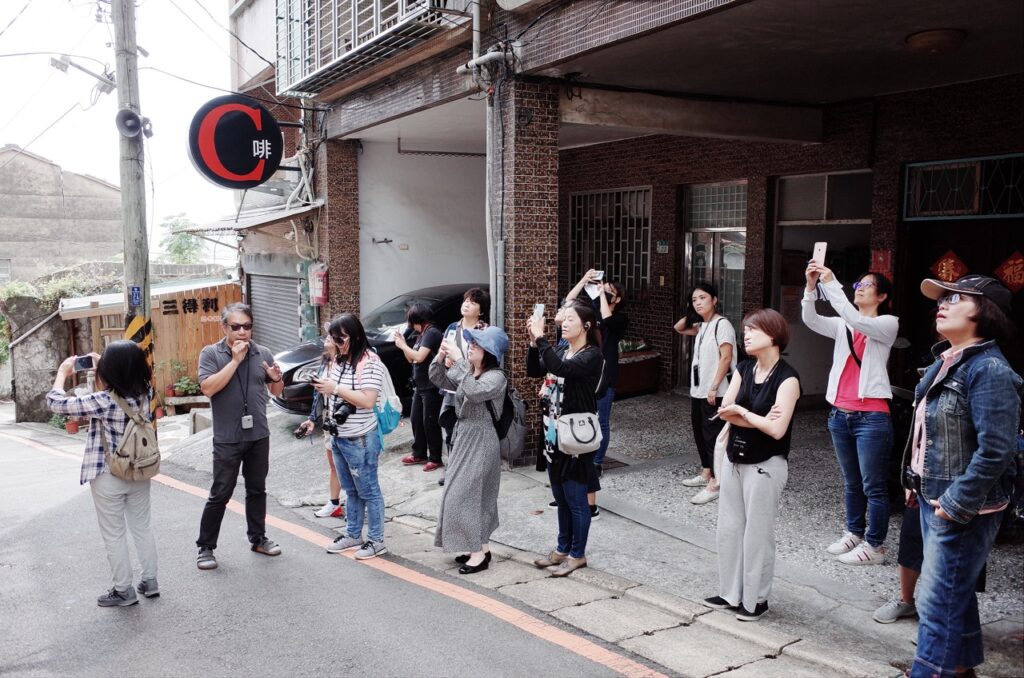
{"x":510,"y":426}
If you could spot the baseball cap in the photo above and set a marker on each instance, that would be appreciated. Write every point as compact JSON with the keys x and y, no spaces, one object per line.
{"x":491,"y":339}
{"x":978,"y":285}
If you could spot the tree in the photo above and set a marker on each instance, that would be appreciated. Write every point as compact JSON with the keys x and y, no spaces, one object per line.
{"x":180,"y":248}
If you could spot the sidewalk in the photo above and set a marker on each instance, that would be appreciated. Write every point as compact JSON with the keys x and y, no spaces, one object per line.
{"x":652,"y":556}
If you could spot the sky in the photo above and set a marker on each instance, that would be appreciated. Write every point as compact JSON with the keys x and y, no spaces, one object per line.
{"x":86,"y":141}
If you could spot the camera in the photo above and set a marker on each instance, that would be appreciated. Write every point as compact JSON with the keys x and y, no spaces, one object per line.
{"x":339,"y":418}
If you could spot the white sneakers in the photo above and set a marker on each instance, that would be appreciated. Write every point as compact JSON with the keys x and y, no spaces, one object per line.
{"x":696,"y":481}
{"x":330,"y":510}
{"x":704,"y":496}
{"x":863,"y":554}
{"x":844,"y":544}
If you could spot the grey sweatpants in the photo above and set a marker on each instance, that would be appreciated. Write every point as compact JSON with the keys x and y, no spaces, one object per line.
{"x":122,"y":506}
{"x":747,"y":507}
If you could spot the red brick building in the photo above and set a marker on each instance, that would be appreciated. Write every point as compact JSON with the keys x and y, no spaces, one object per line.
{"x":667,"y":142}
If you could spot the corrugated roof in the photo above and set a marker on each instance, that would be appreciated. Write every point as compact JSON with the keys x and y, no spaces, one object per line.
{"x":253,"y":219}
{"x":113,"y":303}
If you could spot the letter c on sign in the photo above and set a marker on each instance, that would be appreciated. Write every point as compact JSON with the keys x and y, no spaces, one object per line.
{"x":208,"y":149}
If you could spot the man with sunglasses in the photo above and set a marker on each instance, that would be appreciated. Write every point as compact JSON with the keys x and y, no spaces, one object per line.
{"x":238,"y":376}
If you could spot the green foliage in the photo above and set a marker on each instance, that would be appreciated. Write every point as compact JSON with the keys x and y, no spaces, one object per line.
{"x":187,"y":386}
{"x":16,"y":288}
{"x":58,"y":421}
{"x":74,"y":284}
{"x":180,"y":248}
{"x":5,"y":340}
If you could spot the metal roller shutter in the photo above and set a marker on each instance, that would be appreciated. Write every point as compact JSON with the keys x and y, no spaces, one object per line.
{"x":275,"y":310}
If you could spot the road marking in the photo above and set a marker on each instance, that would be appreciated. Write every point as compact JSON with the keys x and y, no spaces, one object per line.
{"x":508,"y":614}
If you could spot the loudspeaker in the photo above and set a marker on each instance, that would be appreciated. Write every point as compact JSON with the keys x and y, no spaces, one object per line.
{"x":128,"y":122}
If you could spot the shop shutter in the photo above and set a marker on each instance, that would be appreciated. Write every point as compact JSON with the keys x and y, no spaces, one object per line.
{"x":275,"y":310}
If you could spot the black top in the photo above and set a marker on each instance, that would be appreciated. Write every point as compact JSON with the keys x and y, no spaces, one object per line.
{"x":749,"y":445}
{"x":582,"y":374}
{"x":613,"y":329}
{"x":431,"y":338}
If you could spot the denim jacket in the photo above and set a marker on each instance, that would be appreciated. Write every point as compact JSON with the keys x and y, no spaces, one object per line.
{"x":971,"y":421}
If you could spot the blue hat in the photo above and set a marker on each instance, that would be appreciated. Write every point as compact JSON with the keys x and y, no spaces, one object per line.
{"x":491,"y":339}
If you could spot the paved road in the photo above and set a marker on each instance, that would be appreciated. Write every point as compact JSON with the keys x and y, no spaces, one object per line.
{"x":303,"y":613}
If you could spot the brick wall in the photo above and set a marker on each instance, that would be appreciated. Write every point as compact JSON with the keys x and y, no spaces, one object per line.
{"x":529,"y":119}
{"x":337,"y":178}
{"x":977,"y":118}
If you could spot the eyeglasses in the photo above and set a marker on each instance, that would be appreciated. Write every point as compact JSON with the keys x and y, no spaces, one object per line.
{"x":862,"y":285}
{"x":244,"y":326}
{"x":949,"y":299}
{"x":339,"y":338}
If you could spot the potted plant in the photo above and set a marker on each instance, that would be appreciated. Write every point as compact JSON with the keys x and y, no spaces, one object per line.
{"x":71,"y":425}
{"x":186,"y":386}
{"x":58,"y":421}
{"x":159,"y":412}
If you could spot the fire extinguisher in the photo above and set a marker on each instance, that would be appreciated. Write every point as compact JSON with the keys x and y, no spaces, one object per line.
{"x":318,"y":284}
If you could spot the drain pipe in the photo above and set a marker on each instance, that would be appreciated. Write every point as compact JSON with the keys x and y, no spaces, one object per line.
{"x":492,"y":56}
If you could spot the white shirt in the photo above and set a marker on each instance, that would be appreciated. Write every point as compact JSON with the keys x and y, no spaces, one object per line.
{"x":707,"y":352}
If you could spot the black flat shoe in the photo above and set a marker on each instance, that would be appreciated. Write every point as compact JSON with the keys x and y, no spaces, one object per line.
{"x":464,"y":558}
{"x":473,"y":569}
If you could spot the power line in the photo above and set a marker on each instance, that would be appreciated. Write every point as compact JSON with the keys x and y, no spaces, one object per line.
{"x":36,"y":138}
{"x":77,"y":56}
{"x":234,"y":35}
{"x":16,"y":16}
{"x":230,"y":91}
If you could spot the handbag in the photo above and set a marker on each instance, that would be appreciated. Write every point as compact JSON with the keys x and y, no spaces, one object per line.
{"x":578,"y":433}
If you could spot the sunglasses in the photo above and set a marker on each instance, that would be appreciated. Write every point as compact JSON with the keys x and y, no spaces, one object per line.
{"x":863,"y":285}
{"x":339,"y":339}
{"x":235,"y":327}
{"x":948,"y":300}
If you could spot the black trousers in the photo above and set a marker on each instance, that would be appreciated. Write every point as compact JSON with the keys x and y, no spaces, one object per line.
{"x":254,"y":459}
{"x":704,"y":431}
{"x":426,"y":431}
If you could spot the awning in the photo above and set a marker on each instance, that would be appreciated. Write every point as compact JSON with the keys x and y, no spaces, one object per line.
{"x":265,"y":216}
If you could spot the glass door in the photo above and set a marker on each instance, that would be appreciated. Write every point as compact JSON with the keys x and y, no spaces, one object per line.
{"x":717,"y":257}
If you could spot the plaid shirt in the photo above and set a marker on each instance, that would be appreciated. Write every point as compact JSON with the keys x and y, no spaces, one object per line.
{"x":102,"y":411}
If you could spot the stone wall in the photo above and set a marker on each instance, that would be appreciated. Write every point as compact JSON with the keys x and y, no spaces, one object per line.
{"x":34,"y":360}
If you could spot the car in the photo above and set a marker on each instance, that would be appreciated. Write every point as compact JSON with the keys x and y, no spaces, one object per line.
{"x":300,"y":363}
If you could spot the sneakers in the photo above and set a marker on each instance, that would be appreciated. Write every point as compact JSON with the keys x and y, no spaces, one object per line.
{"x":344,"y":543}
{"x":552,"y":503}
{"x":844,"y":544}
{"x":595,"y":512}
{"x":432,"y":466}
{"x":746,"y":615}
{"x":718,"y":603}
{"x":412,"y":461}
{"x":148,"y":588}
{"x":893,"y":610}
{"x":696,"y":481}
{"x":115,"y":598}
{"x":205,"y":559}
{"x":864,"y":554}
{"x":371,"y":549}
{"x":266,"y":547}
{"x":330,"y":510}
{"x":704,"y":496}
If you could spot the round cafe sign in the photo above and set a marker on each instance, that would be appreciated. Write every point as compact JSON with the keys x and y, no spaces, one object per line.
{"x":235,"y":142}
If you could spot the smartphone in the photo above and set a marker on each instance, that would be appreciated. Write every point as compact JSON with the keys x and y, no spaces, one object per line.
{"x":714,"y":417}
{"x":84,"y":363}
{"x":598,"y":275}
{"x":819,"y":253}
{"x":538,"y":310}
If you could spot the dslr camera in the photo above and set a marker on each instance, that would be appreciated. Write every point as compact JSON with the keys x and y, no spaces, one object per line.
{"x":339,"y":418}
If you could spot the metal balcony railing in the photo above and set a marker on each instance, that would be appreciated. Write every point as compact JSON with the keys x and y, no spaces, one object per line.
{"x":322,"y":42}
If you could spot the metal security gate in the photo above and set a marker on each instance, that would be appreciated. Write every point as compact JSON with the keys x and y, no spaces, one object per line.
{"x":275,"y":310}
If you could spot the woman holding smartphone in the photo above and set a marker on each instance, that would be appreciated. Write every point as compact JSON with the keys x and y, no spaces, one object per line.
{"x":574,"y":370}
{"x":859,"y":392}
{"x":122,"y":506}
{"x":333,"y":508}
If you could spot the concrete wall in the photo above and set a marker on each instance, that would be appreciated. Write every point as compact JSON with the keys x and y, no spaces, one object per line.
{"x":34,"y":360}
{"x":433,"y":205}
{"x":52,"y":219}
{"x":6,"y":375}
{"x":257,"y":25}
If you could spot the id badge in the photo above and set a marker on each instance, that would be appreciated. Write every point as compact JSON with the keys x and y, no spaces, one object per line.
{"x":247,"y":421}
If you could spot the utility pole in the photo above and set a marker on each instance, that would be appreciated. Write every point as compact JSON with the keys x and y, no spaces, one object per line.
{"x":137,"y":324}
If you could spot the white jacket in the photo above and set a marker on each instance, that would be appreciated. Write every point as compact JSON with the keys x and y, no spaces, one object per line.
{"x":880,"y":334}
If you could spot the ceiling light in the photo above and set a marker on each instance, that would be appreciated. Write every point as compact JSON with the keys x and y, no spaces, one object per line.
{"x":935,"y":41}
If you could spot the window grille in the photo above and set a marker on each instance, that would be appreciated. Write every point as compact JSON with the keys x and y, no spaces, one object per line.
{"x":716,"y":206}
{"x":611,"y":232}
{"x":965,"y":189}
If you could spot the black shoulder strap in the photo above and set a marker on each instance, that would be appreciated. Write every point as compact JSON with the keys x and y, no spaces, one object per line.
{"x":849,"y":340}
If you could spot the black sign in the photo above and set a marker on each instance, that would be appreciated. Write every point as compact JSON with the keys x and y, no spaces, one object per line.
{"x":235,"y":142}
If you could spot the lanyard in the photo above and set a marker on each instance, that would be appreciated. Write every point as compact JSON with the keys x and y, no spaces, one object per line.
{"x":703,"y":333}
{"x":244,"y":385}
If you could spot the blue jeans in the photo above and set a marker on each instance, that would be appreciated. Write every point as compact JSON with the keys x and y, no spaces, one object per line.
{"x":604,"y":415}
{"x":949,"y":633}
{"x":356,"y":460}
{"x":863,"y":442}
{"x":573,"y":515}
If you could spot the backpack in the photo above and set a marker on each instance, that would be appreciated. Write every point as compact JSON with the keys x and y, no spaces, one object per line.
{"x":510,"y":426}
{"x":137,"y":456}
{"x":388,"y":407}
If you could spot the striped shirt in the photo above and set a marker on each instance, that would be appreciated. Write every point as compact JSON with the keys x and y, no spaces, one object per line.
{"x":102,"y":411}
{"x":368,"y":374}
